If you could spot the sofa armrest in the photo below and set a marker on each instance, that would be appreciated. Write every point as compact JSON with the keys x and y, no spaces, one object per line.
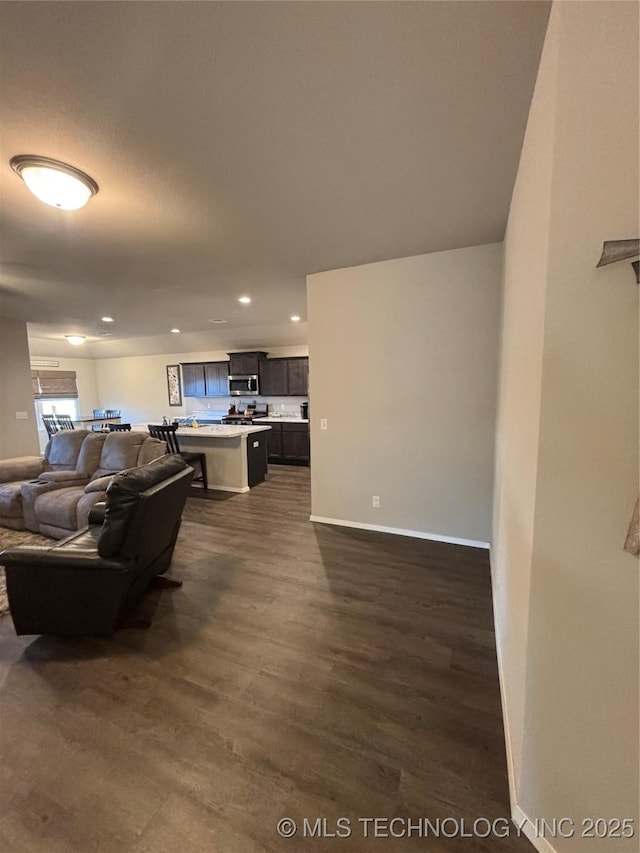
{"x":52,"y":557}
{"x":20,"y":468}
{"x":97,"y":513}
{"x":68,"y":478}
{"x":99,"y":485}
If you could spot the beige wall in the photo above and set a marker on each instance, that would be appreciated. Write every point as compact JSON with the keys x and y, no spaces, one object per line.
{"x":403,"y":363}
{"x":17,"y":437}
{"x":558,"y":561}
{"x":85,"y":371}
{"x":526,"y":255}
{"x":86,"y":381}
{"x":137,"y":385}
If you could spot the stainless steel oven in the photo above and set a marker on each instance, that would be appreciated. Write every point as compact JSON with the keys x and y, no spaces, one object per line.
{"x":244,"y":386}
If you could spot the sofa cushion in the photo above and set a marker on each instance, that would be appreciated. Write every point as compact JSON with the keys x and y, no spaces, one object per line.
{"x":152,"y":449}
{"x":119,"y":451}
{"x":11,"y":500}
{"x":122,"y":496}
{"x":89,"y":456}
{"x":63,"y":449}
{"x":58,"y":508}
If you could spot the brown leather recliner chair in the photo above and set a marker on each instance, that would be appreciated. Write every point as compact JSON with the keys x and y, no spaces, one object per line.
{"x":57,"y":509}
{"x":87,"y":582}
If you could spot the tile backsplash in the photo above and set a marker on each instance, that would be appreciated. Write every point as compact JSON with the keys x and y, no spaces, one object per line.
{"x":204,"y":405}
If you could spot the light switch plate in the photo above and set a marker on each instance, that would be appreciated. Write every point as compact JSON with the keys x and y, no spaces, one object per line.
{"x":22,"y":416}
{"x":323,"y":423}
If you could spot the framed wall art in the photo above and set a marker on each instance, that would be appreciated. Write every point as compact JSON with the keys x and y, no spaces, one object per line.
{"x":174,"y":385}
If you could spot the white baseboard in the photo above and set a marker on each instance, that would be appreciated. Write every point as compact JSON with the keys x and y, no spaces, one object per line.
{"x":541,"y":844}
{"x":400,"y":531}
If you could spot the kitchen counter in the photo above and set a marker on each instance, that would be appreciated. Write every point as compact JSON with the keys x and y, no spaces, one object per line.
{"x":232,"y":456}
{"x":285,"y":420}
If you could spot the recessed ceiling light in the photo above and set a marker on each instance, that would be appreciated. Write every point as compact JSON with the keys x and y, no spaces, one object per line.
{"x":245,"y":300}
{"x":76,"y":340}
{"x":218,"y":321}
{"x":295,"y":319}
{"x":175,"y":331}
{"x":55,"y":183}
{"x":107,"y":319}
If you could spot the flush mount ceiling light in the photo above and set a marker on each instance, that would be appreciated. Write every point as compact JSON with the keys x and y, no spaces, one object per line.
{"x":175,"y":331}
{"x":245,"y":300}
{"x":217,"y":321}
{"x":76,"y":340}
{"x":107,"y":319}
{"x":295,"y":319}
{"x":53,"y":182}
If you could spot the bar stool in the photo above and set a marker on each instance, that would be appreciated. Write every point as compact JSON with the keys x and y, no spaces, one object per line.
{"x":167,"y":433}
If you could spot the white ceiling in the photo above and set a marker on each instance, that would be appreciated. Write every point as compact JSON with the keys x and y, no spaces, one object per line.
{"x":240,"y":146}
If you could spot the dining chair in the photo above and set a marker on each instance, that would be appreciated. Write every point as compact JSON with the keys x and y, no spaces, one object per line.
{"x":119,"y":427}
{"x":50,"y":424}
{"x":64,"y":422}
{"x":112,"y":413}
{"x":167,"y":433}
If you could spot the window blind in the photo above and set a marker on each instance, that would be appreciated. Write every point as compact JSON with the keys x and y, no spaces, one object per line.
{"x":54,"y":384}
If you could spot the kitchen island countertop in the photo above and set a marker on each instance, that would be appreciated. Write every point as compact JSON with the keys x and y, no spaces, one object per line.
{"x":210,"y":431}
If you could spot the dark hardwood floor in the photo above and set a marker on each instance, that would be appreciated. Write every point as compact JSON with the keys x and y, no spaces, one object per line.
{"x":301,"y":671}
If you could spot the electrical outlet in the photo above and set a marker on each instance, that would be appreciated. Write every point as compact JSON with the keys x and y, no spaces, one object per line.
{"x":22,"y":416}
{"x":323,"y":423}
{"x":375,"y":501}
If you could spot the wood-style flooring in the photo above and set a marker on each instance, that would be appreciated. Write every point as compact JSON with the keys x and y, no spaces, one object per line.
{"x":302,"y":671}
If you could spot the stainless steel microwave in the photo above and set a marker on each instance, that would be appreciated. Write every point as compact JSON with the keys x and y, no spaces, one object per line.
{"x":243,"y":386}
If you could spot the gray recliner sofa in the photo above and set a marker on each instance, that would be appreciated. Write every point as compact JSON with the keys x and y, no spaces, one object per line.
{"x":87,"y":583}
{"x":57,"y":508}
{"x":69,"y":457}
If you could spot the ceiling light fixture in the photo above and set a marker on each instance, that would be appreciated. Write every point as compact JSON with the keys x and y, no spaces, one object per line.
{"x":107,"y":319}
{"x":217,"y":321}
{"x":76,"y":340}
{"x":295,"y":319}
{"x":175,"y":331}
{"x":245,"y":300}
{"x":55,"y":183}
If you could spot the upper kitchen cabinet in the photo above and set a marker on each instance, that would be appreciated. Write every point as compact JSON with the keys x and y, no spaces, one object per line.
{"x":193,"y":380}
{"x":210,"y":379}
{"x":284,"y":377}
{"x":216,"y":379}
{"x":245,"y":363}
{"x":273,"y":377}
{"x":298,"y":376}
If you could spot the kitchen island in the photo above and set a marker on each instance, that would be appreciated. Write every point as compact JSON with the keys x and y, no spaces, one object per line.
{"x":236,"y":455}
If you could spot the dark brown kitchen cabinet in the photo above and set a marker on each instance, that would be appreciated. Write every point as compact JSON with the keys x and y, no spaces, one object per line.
{"x":284,"y":377}
{"x":216,"y":379}
{"x":288,"y":442}
{"x":193,"y":380}
{"x":295,"y":442}
{"x":273,"y":377}
{"x":210,"y":379}
{"x":274,"y":442}
{"x":298,"y":376}
{"x":245,"y":363}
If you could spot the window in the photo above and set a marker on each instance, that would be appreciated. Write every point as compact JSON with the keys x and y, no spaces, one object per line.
{"x":56,"y":407}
